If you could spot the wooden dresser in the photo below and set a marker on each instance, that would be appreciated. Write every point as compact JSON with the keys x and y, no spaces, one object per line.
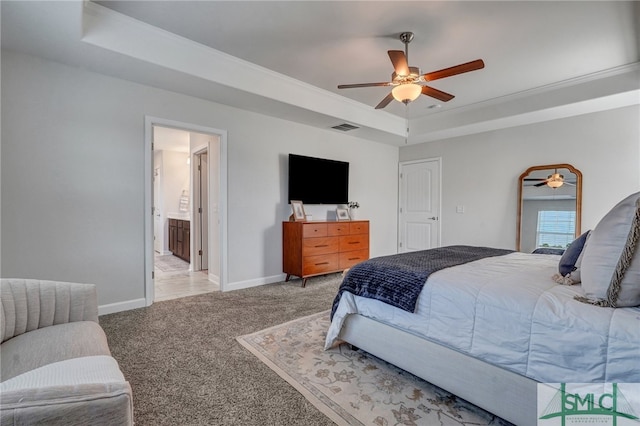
{"x":317,"y":248}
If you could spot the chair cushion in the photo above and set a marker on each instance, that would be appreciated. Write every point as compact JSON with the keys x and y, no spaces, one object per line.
{"x":51,"y":344}
{"x":79,"y":391}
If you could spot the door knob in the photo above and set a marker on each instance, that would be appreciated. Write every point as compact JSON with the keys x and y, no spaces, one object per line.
{"x":432,"y":218}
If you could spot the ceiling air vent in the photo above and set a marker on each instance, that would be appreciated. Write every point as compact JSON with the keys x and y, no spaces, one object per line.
{"x":345,"y":127}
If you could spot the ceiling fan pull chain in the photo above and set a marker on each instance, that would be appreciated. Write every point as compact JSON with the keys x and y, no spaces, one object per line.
{"x":406,"y":117}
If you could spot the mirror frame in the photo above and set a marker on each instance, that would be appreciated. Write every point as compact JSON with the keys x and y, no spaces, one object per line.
{"x":526,"y":173}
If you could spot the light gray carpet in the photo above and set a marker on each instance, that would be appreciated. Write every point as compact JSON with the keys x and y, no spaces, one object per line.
{"x":186,"y":367}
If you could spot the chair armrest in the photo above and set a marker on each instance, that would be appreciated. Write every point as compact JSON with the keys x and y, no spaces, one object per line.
{"x":31,"y":304}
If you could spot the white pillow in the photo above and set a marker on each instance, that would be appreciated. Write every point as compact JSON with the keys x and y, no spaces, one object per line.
{"x":610,"y":267}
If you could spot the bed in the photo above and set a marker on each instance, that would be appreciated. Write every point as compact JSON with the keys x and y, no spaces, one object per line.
{"x":492,"y":328}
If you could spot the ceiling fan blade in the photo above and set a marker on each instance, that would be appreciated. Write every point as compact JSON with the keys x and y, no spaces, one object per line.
{"x":383,"y":103}
{"x":438,"y":94}
{"x":399,"y":61}
{"x":541,"y":183}
{"x":536,"y":179}
{"x":353,"y":86}
{"x":458,"y":69}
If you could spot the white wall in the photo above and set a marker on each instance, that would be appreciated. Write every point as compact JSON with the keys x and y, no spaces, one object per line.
{"x":260,"y":189}
{"x":175,"y":179}
{"x":481,"y":171}
{"x":73,"y":180}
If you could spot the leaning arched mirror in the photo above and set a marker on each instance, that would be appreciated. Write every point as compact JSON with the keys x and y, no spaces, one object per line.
{"x":549,"y":207}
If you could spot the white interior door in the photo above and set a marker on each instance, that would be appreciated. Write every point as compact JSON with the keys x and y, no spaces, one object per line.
{"x":419,"y":216}
{"x":158,"y":235}
{"x":203,"y":210}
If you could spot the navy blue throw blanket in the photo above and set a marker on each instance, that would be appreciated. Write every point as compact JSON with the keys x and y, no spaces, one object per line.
{"x":398,"y":279}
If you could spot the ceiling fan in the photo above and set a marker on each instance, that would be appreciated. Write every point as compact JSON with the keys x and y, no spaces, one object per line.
{"x":554,"y":180}
{"x":405,"y":79}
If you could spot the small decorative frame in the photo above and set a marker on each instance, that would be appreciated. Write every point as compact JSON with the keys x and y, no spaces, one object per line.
{"x":298,"y":211}
{"x":342,"y":214}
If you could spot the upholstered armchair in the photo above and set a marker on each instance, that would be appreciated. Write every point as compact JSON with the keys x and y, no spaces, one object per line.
{"x":55,"y":363}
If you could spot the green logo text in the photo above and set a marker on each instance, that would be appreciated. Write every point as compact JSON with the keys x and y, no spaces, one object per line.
{"x":612,"y":404}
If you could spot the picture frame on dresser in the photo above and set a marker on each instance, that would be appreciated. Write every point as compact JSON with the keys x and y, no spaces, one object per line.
{"x":342,"y":214}
{"x":298,"y":211}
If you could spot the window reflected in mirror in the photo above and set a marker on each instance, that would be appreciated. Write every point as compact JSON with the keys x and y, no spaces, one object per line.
{"x":549,"y":208}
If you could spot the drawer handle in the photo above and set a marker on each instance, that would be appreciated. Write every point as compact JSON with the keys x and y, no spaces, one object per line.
{"x":321,"y":245}
{"x":322,"y":263}
{"x":354,"y":242}
{"x":354,"y":258}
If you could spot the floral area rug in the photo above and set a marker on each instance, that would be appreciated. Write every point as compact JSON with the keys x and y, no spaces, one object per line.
{"x":353,"y":387}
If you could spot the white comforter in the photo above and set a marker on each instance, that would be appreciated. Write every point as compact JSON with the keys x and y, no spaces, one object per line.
{"x":507,"y":311}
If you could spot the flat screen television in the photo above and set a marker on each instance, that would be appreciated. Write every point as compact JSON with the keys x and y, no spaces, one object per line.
{"x":318,"y":180}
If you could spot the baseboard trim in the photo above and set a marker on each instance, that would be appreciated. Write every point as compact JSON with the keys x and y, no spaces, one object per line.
{"x":127,"y":305}
{"x":141,"y":303}
{"x":239,"y":285}
{"x":214,"y":278}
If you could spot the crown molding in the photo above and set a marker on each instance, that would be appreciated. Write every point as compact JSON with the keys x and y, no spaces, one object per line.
{"x":489,"y":103}
{"x":614,"y":88}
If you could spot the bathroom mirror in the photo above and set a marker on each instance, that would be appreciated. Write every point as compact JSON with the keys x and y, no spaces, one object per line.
{"x":549,"y":207}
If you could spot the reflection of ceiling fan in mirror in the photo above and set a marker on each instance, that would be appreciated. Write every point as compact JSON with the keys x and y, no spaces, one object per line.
{"x":554,"y":180}
{"x":405,"y":78}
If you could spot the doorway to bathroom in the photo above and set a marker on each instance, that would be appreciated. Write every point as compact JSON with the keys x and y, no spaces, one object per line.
{"x":187,"y":230}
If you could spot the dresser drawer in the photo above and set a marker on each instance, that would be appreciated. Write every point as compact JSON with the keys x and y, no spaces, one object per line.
{"x":350,"y":258}
{"x":354,"y":242}
{"x":310,"y":230}
{"x":359,"y":228}
{"x":336,"y":229}
{"x":312,"y":265}
{"x":313,"y":246}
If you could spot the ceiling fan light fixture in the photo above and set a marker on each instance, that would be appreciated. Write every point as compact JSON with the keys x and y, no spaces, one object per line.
{"x":555,"y":180}
{"x":406,"y":92}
